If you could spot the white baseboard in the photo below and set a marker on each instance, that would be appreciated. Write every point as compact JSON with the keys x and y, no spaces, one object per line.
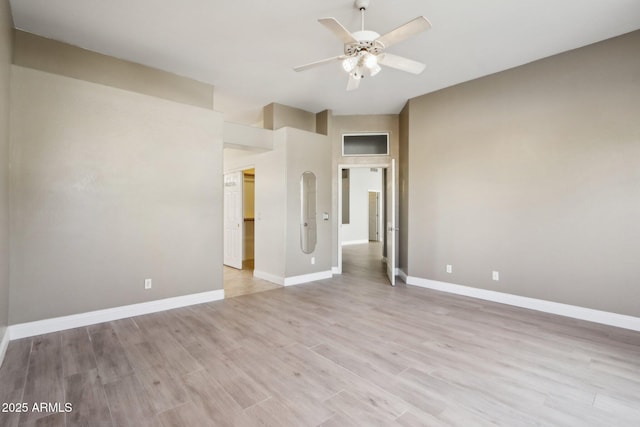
{"x":269,"y":277}
{"x":403,"y":275}
{"x":294,"y":280}
{"x":306,"y":278}
{"x":4,"y":344}
{"x":354,"y":242}
{"x":56,"y":324}
{"x":573,"y":311}
{"x":335,"y":270}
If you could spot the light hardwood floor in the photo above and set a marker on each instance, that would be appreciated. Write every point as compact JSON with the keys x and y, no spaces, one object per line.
{"x":241,"y":282}
{"x":349,"y":351}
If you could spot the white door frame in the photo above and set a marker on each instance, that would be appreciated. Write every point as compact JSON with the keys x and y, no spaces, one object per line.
{"x":342,"y":166}
{"x":391,"y":224}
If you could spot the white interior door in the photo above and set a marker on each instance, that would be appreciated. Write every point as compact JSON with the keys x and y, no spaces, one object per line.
{"x":233,"y":220}
{"x":391,"y":222}
{"x":374,"y":216}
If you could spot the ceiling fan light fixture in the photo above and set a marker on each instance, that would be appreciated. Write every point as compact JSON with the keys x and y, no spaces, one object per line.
{"x":374,"y":70}
{"x":349,"y":64}
{"x":370,"y":61}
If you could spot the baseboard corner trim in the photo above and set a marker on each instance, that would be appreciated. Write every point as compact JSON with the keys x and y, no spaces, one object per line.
{"x":56,"y":324}
{"x":573,"y":311}
{"x":335,"y":270}
{"x":403,"y":275}
{"x":306,"y":278}
{"x":268,"y":277}
{"x":4,"y":344}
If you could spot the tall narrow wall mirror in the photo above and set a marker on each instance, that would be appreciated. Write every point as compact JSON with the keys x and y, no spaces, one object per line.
{"x":308,"y":233}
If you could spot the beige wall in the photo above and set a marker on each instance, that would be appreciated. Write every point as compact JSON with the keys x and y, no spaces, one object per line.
{"x":534,"y":172}
{"x":276,"y":116}
{"x":6,"y":51}
{"x":235,"y":159}
{"x":109,"y":187}
{"x":354,"y":124}
{"x":307,"y":151}
{"x":323,"y":122}
{"x":48,"y":55}
{"x":271,"y":209}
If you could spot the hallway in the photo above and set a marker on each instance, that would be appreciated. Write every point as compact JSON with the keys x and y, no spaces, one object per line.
{"x":364,"y":261}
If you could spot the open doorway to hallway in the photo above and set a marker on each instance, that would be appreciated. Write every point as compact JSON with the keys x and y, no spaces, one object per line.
{"x":363,"y":214}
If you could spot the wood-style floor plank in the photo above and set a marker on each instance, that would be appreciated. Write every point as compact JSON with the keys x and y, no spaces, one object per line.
{"x":185,"y":415}
{"x":13,"y":372}
{"x":211,"y":399}
{"x":415,"y":418}
{"x":128,"y":331}
{"x":244,"y":390}
{"x":111,"y":360}
{"x":85,"y":393}
{"x":13,"y":375}
{"x":347,"y":351}
{"x":164,"y":388}
{"x":53,"y":420}
{"x":44,"y":382}
{"x":339,"y":420}
{"x":77,"y":352}
{"x":278,"y":411}
{"x":129,"y":403}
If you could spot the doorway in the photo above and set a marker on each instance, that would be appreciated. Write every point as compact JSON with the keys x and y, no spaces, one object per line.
{"x":239,"y":235}
{"x":366,"y":218}
{"x":239,"y":219}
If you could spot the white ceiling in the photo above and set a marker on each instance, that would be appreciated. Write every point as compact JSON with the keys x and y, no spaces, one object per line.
{"x":247,"y":48}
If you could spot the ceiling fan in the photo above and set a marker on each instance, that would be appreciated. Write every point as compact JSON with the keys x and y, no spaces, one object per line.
{"x":364,"y":50}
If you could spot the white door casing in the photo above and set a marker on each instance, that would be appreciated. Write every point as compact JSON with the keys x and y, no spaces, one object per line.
{"x":391,"y":222}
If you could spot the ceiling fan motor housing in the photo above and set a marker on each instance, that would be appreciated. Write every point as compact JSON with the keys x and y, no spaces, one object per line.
{"x":366,"y":40}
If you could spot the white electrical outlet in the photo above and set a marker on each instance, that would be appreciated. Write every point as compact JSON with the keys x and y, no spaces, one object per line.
{"x":449,"y":268}
{"x":495,"y":275}
{"x":313,"y":260}
{"x":147,"y":283}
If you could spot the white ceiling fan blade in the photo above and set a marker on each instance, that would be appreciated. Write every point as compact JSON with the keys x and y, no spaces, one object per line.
{"x":354,"y":82}
{"x":317,"y":63}
{"x":336,"y":28}
{"x":401,"y":63}
{"x":405,"y":31}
